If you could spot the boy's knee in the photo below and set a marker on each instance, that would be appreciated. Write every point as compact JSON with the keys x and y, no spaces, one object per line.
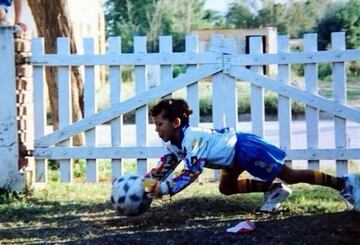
{"x":2,"y":14}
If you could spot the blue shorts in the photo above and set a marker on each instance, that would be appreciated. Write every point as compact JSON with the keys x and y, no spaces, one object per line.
{"x":258,"y":157}
{"x":4,"y":7}
{"x":6,"y":3}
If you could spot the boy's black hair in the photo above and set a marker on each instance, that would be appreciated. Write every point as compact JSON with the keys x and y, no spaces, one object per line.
{"x":172,"y":108}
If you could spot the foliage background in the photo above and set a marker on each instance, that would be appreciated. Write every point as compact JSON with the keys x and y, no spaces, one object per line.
{"x":179,"y":17}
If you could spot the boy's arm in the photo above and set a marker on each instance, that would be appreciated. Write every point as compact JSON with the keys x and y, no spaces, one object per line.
{"x":194,"y":165}
{"x":165,"y":167}
{"x":193,"y":169}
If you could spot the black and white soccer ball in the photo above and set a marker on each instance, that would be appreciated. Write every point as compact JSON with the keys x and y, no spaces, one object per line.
{"x":128,"y":195}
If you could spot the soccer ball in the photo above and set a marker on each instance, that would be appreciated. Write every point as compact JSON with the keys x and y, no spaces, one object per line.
{"x":128,"y":195}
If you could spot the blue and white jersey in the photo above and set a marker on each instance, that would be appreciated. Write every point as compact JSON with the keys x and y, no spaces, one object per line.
{"x":214,"y":147}
{"x":199,"y":148}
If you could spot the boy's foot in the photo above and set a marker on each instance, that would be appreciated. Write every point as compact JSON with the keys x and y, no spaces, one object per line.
{"x":351,"y":191}
{"x":274,"y":198}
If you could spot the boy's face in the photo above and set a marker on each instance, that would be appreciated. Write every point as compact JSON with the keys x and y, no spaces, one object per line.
{"x":167,"y":130}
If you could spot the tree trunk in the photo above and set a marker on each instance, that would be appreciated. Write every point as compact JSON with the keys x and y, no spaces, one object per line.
{"x":53,"y":20}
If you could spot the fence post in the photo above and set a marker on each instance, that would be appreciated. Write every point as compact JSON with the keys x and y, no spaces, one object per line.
{"x":141,"y":114}
{"x":92,"y":169}
{"x":41,"y":165}
{"x":257,"y":93}
{"x":218,"y":111}
{"x":9,"y":147}
{"x":339,"y":95}
{"x":284,"y":104}
{"x":115,"y":79}
{"x":311,"y":113}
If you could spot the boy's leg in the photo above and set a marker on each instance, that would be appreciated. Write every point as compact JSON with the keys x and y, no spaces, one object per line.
{"x":293,"y":176}
{"x":231,"y":184}
{"x":348,"y":186}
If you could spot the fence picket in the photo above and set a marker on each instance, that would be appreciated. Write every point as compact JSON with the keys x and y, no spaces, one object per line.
{"x":166,"y":72}
{"x":339,"y":95}
{"x":311,"y":113}
{"x":41,"y":169}
{"x":141,"y":115}
{"x":192,"y":91}
{"x":64,"y":92}
{"x":257,"y":92}
{"x":230,"y":90}
{"x":117,"y":168}
{"x":217,"y":92}
{"x":284,"y":104}
{"x":90,"y":109}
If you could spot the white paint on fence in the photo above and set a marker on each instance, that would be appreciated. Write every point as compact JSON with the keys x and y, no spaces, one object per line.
{"x":311,"y":113}
{"x":115,"y":80}
{"x":218,"y":92}
{"x":141,"y":114}
{"x":90,"y":109}
{"x":9,"y":174}
{"x":64,"y":97}
{"x":296,"y":57}
{"x":257,"y":104}
{"x":230,"y":90}
{"x":123,"y":107}
{"x":193,"y":98}
{"x":224,"y":66}
{"x":295,"y":93}
{"x":284,"y":104}
{"x":41,"y":167}
{"x":165,"y":48}
{"x":339,"y":95}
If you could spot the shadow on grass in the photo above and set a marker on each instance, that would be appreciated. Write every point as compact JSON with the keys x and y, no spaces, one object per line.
{"x":195,"y":220}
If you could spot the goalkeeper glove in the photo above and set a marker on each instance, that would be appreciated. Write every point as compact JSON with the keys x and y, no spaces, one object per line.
{"x":155,"y":188}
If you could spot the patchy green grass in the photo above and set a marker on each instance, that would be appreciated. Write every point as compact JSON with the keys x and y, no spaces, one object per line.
{"x":82,"y":213}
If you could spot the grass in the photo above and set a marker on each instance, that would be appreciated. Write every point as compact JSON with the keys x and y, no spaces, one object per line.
{"x":82,"y":213}
{"x":353,"y":90}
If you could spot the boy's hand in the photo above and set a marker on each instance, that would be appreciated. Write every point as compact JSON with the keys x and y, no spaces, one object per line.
{"x":152,"y":187}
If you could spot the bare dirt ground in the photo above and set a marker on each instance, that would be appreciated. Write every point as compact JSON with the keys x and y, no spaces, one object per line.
{"x":182,"y":223}
{"x":190,"y":220}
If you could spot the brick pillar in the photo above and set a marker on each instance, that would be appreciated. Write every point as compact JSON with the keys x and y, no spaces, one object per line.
{"x":25,"y":120}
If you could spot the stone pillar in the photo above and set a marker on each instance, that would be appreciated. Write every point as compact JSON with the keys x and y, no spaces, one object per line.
{"x":25,"y":115}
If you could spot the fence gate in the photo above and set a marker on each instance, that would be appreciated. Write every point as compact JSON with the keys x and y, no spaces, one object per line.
{"x":221,"y":64}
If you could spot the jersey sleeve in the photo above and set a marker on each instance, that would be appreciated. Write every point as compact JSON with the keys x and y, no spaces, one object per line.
{"x":165,"y":167}
{"x":194,"y":164}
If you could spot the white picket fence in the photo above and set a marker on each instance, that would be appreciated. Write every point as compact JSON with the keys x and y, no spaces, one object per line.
{"x":222,"y":64}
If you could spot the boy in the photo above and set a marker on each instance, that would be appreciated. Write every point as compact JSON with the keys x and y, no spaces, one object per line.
{"x":4,"y":13}
{"x":232,"y":152}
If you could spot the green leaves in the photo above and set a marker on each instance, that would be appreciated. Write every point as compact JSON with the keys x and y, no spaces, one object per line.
{"x":153,"y":18}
